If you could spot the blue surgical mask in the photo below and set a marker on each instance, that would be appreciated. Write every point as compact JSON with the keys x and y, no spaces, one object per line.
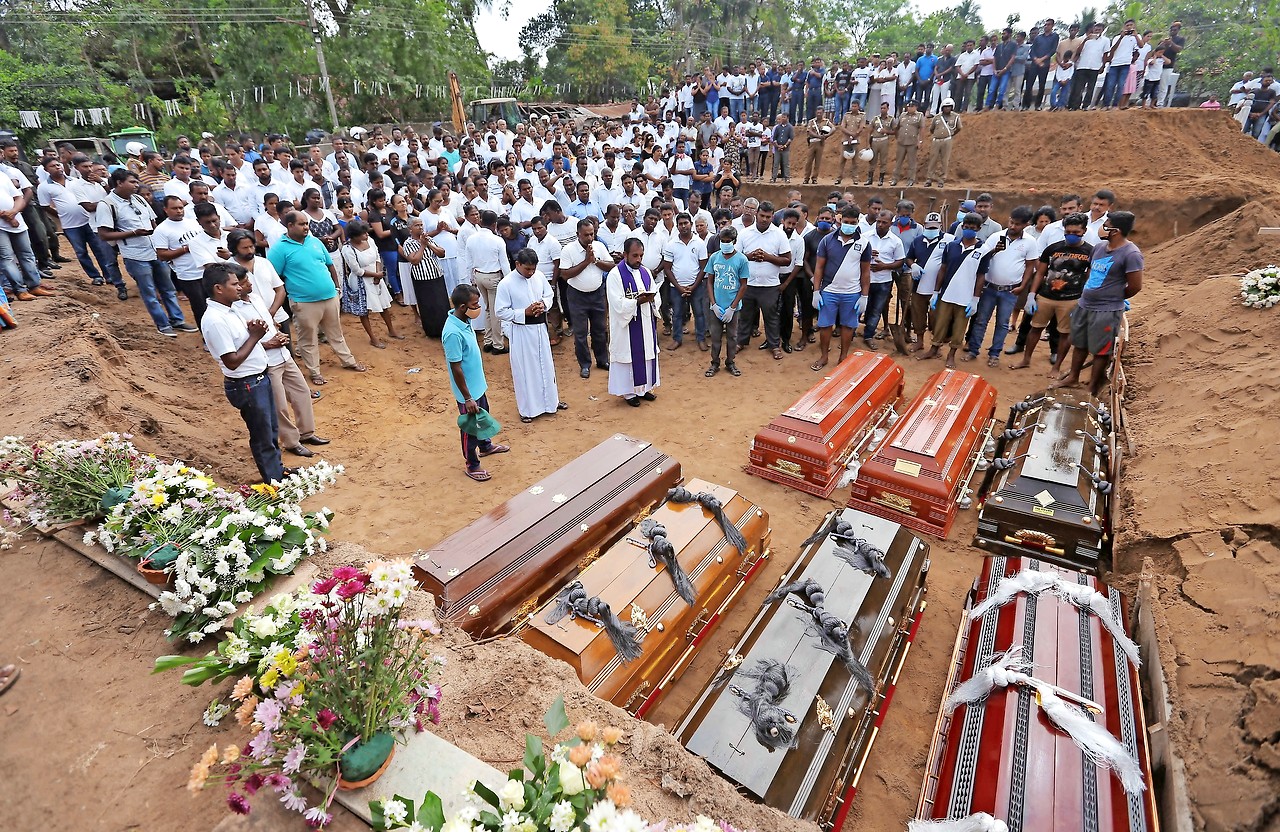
{"x":930,"y":233}
{"x":726,"y":249}
{"x":1073,"y":239}
{"x":847,"y":228}
{"x":823,"y":225}
{"x":969,"y":233}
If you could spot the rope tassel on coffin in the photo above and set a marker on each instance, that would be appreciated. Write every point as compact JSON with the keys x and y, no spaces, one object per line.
{"x":1084,"y":597}
{"x":1093,"y":739}
{"x":574,"y":601}
{"x":831,"y":631}
{"x":851,"y":549}
{"x":773,"y":725}
{"x":707,"y":500}
{"x":980,"y":822}
{"x":662,"y":552}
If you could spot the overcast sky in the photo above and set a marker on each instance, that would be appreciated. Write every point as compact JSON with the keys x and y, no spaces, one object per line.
{"x":501,"y":36}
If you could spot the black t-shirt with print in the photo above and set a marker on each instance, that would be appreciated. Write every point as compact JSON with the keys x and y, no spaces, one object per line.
{"x":1067,"y":272}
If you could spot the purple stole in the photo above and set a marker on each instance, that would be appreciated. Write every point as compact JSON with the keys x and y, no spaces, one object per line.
{"x":635,"y":330}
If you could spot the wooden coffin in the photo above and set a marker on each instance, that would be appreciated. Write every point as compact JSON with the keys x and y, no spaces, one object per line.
{"x":809,"y":445}
{"x":505,"y":564}
{"x":671,"y":630}
{"x":1054,"y":503}
{"x":920,"y":474}
{"x":1001,"y":755}
{"x":837,"y":720}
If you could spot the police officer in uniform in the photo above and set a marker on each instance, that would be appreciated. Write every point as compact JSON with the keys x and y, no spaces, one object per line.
{"x":881,"y":133}
{"x":909,"y":129}
{"x":943,"y":130}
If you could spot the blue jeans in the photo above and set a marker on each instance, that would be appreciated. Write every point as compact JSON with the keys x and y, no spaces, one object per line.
{"x":252,"y":397}
{"x":877,"y":303}
{"x":1113,"y":86}
{"x":680,"y":307}
{"x":391,"y":265}
{"x":992,"y":300}
{"x":842,"y":105}
{"x":82,"y":239}
{"x":736,"y":106}
{"x":794,"y":109}
{"x":155,"y":284}
{"x":18,"y":261}
{"x":1061,"y":90}
{"x":812,"y":104}
{"x":995,"y":93}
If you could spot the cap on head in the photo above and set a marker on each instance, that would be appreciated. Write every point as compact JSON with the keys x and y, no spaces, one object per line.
{"x":948,"y":102}
{"x":968,"y":205}
{"x":933,"y":220}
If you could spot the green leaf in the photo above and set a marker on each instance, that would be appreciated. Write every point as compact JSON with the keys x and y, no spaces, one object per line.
{"x":376,"y":818}
{"x":556,"y":719}
{"x":170,"y":662}
{"x":431,"y":812}
{"x":486,"y":794}
{"x":197,"y":676}
{"x":532,"y":754}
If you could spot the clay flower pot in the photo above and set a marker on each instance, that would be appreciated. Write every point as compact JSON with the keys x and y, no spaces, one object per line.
{"x":366,"y":761}
{"x":158,"y":577}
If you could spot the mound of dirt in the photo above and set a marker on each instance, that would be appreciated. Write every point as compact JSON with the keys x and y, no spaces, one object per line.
{"x":1204,"y":502}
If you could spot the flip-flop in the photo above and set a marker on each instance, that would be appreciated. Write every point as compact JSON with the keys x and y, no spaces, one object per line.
{"x":8,"y":675}
{"x":993,"y":362}
{"x":319,"y":379}
{"x":480,"y":475}
{"x":526,"y":419}
{"x":817,"y":368}
{"x":496,"y":449}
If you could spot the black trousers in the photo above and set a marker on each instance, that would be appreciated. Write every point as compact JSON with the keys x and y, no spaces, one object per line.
{"x":194,"y":290}
{"x":764,"y":301}
{"x":1035,"y":74}
{"x":1082,"y":84}
{"x":799,"y":292}
{"x":984,"y":81}
{"x":587,"y":312}
{"x":433,"y":305}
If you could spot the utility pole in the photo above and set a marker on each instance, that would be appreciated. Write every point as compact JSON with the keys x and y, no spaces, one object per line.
{"x":324,"y":69}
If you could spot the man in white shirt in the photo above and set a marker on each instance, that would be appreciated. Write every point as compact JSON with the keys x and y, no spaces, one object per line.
{"x":487,"y":254}
{"x":966,"y":76}
{"x":239,"y":347}
{"x":1093,"y":53}
{"x":612,"y":232}
{"x":887,"y":256}
{"x":724,"y":122}
{"x":239,"y":198}
{"x":1123,"y":52}
{"x":583,"y":263}
{"x":768,"y":252}
{"x":1013,"y":258}
{"x":1103,"y":201}
{"x":59,"y":197}
{"x":684,"y":256}
{"x":17,"y":259}
{"x":186,"y":246}
{"x":525,"y":209}
{"x":180,"y":184}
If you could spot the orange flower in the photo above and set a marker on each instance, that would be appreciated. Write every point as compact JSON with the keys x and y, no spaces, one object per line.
{"x":210,"y":756}
{"x":244,"y":714}
{"x":611,"y":735}
{"x":587,"y":731}
{"x":243,"y":688}
{"x":580,"y":755}
{"x":610,"y":765}
{"x":595,"y":777}
{"x":199,"y":774}
{"x":619,"y":794}
{"x":231,"y":753}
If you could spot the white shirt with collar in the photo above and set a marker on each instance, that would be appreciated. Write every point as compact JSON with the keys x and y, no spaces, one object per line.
{"x":773,"y":241}
{"x":486,"y":252}
{"x":254,"y":309}
{"x":224,"y":332}
{"x":1007,"y":267}
{"x":885,"y":249}
{"x":1091,"y":232}
{"x":592,"y":277}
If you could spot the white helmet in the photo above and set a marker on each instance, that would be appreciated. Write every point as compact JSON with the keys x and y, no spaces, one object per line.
{"x":867,"y":154}
{"x":134,"y":148}
{"x":948,"y":102}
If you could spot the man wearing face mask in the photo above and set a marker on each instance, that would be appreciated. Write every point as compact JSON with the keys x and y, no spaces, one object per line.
{"x":801,"y":289}
{"x":842,"y":269}
{"x":887,"y":257}
{"x":1059,"y":280}
{"x":918,"y":254}
{"x":728,"y":271}
{"x":1013,"y":258}
{"x":956,"y":270}
{"x":466,"y":375}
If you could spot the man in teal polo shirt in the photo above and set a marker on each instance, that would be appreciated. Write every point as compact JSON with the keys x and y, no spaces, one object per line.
{"x":466,"y":374}
{"x":312,"y":284}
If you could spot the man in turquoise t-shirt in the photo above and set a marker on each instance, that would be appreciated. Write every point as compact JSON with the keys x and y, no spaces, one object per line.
{"x":312,"y":283}
{"x":727,"y":271}
{"x":466,"y":374}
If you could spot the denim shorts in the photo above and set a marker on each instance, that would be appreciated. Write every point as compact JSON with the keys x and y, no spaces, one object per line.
{"x":839,"y":309}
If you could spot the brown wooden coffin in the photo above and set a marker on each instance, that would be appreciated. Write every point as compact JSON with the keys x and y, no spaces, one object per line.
{"x":1054,"y":503}
{"x":920,"y":473}
{"x":644,"y":595}
{"x":837,"y":719}
{"x":1002,"y":756}
{"x":506,"y":563}
{"x":809,"y":445}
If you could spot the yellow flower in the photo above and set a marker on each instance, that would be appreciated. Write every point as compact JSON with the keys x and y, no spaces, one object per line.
{"x":269,"y":679}
{"x":199,"y":774}
{"x":158,"y":499}
{"x":210,"y":755}
{"x":286,"y":662}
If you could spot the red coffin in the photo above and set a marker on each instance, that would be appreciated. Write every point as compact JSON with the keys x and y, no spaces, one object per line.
{"x":921,"y":471}
{"x":808,"y":446}
{"x":1002,"y":756}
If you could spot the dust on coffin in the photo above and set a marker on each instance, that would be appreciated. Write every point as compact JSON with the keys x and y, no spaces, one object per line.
{"x":644,"y":595}
{"x":816,"y":778}
{"x":921,"y":472}
{"x":1051,"y":496}
{"x":519,"y":554}
{"x":1003,"y":755}
{"x":808,"y":446}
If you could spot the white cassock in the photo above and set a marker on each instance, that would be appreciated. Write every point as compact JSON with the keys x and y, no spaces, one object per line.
{"x":532,"y":370}
{"x":627,"y":345}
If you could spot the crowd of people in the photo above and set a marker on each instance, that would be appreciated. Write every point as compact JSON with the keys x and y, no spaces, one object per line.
{"x":618,"y":234}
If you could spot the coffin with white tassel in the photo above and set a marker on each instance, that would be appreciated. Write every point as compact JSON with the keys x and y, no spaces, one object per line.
{"x":792,"y":715}
{"x":664,"y":629}
{"x":1042,"y":727}
{"x":810,"y":445}
{"x":498,"y":570}
{"x":1048,"y":490}
{"x":920,"y":474}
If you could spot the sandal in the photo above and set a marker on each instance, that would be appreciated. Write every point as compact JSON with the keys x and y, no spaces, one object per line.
{"x":495,"y":449}
{"x":711,"y":371}
{"x":526,"y":419}
{"x":8,"y":675}
{"x":993,"y":361}
{"x":480,"y":475}
{"x":562,"y":405}
{"x":777,"y":354}
{"x":316,"y":378}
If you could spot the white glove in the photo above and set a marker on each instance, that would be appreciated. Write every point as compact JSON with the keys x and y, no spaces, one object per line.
{"x":916,"y":271}
{"x":817,"y":300}
{"x":717,"y":311}
{"x":862,"y":305}
{"x":971,"y":308}
{"x":933,"y":301}
{"x":728,"y":315}
{"x":1031,"y":304}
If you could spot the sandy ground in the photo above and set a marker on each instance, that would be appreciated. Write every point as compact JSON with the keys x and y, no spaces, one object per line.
{"x":1203,"y":393}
